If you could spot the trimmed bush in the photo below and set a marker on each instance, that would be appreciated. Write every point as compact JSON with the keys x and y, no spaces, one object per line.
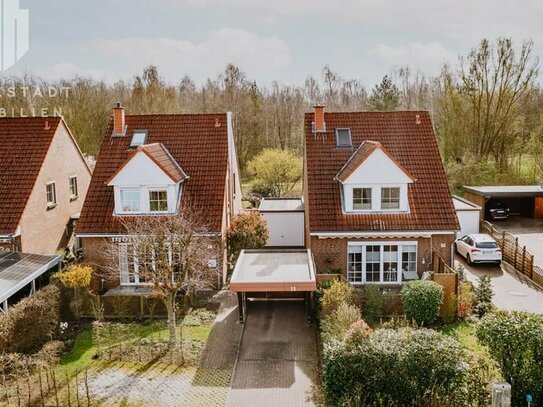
{"x":247,"y":230}
{"x":31,"y":323}
{"x":421,"y":300}
{"x":338,"y":293}
{"x":393,"y":368}
{"x":515,"y":341}
{"x":374,"y":300}
{"x":336,"y":324}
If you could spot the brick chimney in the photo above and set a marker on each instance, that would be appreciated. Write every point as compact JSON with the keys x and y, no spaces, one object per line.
{"x":119,"y":125}
{"x":319,"y":125}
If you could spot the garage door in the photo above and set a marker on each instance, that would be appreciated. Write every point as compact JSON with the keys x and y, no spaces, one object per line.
{"x":286,"y":229}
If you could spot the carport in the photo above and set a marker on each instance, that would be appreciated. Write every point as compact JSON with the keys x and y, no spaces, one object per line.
{"x":273,"y":275}
{"x":523,"y":200}
{"x":17,"y":270}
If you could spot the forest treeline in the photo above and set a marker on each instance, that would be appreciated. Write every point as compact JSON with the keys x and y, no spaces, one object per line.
{"x":487,"y":108}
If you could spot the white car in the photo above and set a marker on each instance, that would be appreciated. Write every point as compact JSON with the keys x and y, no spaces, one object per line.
{"x":478,"y":248}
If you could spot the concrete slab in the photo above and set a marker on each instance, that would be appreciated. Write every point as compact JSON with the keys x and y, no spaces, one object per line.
{"x":277,"y":360}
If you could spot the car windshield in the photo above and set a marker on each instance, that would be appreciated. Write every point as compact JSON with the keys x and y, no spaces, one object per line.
{"x":498,"y":205}
{"x":486,"y":245}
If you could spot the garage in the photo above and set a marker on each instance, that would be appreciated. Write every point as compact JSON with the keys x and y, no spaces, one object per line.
{"x":469,"y":216}
{"x":285,"y":218}
{"x":521,"y":200}
{"x":273,"y":275}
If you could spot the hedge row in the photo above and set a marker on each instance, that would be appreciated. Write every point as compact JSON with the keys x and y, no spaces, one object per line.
{"x":31,"y":323}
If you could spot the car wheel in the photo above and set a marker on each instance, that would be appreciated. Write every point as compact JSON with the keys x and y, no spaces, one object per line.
{"x":468,"y":260}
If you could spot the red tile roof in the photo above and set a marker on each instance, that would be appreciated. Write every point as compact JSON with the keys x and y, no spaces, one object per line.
{"x":24,"y":142}
{"x":360,"y":155}
{"x":412,"y":145}
{"x":197,"y":142}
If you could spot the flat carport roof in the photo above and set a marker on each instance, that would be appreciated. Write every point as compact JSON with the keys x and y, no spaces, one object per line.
{"x":503,"y":191}
{"x":20,"y":269}
{"x":274,"y":270}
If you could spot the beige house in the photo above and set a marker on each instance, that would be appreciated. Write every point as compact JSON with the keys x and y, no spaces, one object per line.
{"x":43,"y":182}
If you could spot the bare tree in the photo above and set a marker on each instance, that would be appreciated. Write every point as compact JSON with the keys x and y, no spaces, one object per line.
{"x":169,"y":253}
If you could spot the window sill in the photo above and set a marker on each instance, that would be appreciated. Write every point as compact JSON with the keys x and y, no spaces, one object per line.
{"x":51,"y":206}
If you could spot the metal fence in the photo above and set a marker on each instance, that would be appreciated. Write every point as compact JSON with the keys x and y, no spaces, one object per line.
{"x":513,"y":253}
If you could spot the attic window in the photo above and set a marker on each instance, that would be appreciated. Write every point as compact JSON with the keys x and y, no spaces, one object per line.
{"x":139,"y":138}
{"x":343,"y":138}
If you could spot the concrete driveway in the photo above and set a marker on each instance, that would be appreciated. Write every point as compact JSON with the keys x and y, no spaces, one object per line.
{"x":512,"y":291}
{"x":529,"y":232}
{"x":277,"y":359}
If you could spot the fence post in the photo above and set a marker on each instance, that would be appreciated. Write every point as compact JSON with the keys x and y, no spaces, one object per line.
{"x":503,"y":240}
{"x":532,"y":268}
{"x":516,"y":253}
{"x":523,"y":259}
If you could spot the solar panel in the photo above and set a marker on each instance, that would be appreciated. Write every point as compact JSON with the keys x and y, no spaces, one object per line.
{"x":19,"y":269}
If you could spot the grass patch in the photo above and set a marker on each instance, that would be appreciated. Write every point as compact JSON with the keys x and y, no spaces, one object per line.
{"x":85,"y":348}
{"x":464,"y":333}
{"x":81,"y":354}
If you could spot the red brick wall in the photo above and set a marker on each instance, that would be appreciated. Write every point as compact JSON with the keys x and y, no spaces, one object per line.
{"x":98,"y":253}
{"x":332,"y":253}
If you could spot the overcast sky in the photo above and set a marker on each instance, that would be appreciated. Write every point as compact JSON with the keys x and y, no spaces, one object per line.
{"x":283,"y":40}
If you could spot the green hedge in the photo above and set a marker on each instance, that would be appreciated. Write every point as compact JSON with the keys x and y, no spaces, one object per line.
{"x":421,"y":300}
{"x":515,"y":341}
{"x":32,"y":322}
{"x":393,"y":368}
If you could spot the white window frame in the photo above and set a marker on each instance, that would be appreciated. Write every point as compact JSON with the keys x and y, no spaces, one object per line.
{"x":381,"y":281}
{"x":51,"y":203}
{"x":399,"y":188}
{"x":70,"y":179}
{"x":124,"y":274}
{"x":158,"y":189}
{"x":362,"y":198}
{"x":121,"y":206}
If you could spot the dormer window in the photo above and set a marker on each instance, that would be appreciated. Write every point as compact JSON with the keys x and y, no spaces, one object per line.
{"x":150,"y":181}
{"x":343,"y":138}
{"x":139,"y":138}
{"x":373,"y":181}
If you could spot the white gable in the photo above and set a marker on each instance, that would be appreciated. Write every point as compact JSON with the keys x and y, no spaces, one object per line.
{"x":141,"y":170}
{"x":378,"y":168}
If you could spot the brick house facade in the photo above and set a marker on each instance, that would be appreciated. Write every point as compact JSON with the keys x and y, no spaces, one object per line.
{"x":43,"y":184}
{"x":189,"y":158}
{"x":378,"y":206}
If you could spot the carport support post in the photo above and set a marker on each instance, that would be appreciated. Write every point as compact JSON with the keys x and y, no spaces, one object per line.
{"x":242,"y":306}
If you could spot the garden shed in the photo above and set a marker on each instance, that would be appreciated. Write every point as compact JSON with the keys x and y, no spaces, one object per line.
{"x":469,"y":215}
{"x":286,"y":223}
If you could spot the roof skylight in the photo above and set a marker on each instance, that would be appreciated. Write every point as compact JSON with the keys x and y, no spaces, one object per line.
{"x":139,"y":138}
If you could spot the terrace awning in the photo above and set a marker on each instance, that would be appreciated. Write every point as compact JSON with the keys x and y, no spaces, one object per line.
{"x":20,"y":269}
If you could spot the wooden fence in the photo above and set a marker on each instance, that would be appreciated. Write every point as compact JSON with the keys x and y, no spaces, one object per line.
{"x":513,"y":253}
{"x":445,"y":276}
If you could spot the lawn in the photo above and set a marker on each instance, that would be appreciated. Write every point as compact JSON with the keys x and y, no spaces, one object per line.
{"x":85,"y":347}
{"x":464,"y":333}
